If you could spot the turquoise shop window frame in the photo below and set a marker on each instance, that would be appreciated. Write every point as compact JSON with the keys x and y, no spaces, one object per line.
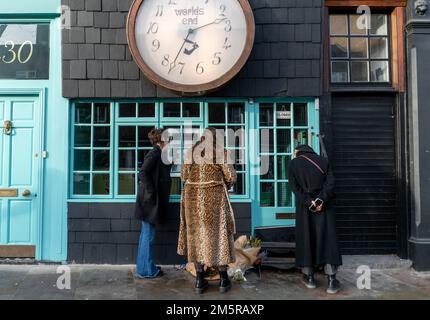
{"x":258,"y":217}
{"x":52,"y":231}
{"x":158,"y":121}
{"x":91,"y":148}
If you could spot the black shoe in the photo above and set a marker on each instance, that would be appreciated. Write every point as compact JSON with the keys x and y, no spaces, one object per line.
{"x":309,"y":281}
{"x":333,"y":285}
{"x":224,"y":282}
{"x":201,"y":283}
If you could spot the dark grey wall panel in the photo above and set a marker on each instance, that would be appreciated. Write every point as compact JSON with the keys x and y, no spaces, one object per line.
{"x":108,"y":233}
{"x":285,"y":62}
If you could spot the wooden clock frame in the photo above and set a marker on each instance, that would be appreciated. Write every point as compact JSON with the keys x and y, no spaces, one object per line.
{"x":199,"y":89}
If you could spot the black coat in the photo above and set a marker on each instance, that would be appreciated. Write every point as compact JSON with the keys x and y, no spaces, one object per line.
{"x":154,"y":189}
{"x":316,"y":237}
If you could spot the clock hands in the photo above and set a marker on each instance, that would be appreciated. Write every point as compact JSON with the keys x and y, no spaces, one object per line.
{"x":216,"y":21}
{"x":173,"y":64}
{"x":195,"y":46}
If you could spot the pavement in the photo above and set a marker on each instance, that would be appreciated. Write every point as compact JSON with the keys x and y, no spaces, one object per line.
{"x":390,"y":278}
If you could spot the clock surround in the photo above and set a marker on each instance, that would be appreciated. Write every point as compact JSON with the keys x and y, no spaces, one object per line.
{"x":183,"y":88}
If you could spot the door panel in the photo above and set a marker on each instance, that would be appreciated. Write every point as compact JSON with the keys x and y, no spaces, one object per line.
{"x":364,"y":166}
{"x":19,"y":171}
{"x":20,"y":212}
{"x":281,"y":127}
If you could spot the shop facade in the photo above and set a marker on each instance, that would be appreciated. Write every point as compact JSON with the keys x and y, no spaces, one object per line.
{"x":316,"y":74}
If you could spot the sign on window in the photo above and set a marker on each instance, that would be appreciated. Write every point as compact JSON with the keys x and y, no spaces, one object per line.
{"x":24,"y":51}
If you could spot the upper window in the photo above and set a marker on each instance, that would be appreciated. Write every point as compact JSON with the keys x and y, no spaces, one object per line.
{"x":24,"y":51}
{"x":359,"y":51}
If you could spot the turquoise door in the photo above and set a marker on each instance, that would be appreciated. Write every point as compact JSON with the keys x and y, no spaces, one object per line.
{"x":20,"y":144}
{"x":281,"y":127}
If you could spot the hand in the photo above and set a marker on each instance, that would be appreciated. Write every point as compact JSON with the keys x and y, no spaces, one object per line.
{"x":320,"y":208}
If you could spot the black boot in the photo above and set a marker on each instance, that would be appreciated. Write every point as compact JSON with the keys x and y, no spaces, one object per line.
{"x":224,"y":282}
{"x":309,"y":281}
{"x":201,"y":283}
{"x":333,"y":285}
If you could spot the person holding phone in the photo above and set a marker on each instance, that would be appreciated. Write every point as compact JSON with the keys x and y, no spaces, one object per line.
{"x":312,"y":182}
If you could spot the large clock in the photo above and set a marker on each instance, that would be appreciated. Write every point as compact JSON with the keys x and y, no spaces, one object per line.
{"x":190,"y":46}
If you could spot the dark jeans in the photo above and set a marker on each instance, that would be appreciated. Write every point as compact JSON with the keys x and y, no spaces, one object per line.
{"x":145,"y":267}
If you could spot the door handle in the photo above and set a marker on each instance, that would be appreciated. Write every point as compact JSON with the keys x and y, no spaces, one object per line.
{"x":26,"y":193}
{"x":7,"y":127}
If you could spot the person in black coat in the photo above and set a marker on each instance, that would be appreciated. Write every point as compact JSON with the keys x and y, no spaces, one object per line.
{"x":152,"y":203}
{"x":312,"y":182}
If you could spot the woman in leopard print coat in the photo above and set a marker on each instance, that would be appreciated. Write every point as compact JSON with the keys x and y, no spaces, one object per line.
{"x":206,"y":234}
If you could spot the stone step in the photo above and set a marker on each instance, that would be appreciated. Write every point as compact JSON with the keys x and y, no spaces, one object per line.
{"x":278,"y":245}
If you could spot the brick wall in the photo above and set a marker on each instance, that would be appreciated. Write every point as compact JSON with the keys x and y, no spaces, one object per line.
{"x":108,"y":233}
{"x":286,"y":59}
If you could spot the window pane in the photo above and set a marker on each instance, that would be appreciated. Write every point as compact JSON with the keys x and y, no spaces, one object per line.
{"x":300,"y":114}
{"x":338,"y":25}
{"x":236,"y":137}
{"x":358,"y":24}
{"x":239,"y":187}
{"x":267,"y":194}
{"x":143,"y":137}
{"x":240,"y":159}
{"x":379,"y":25}
{"x":101,"y":160}
{"x":127,"y":160}
{"x":83,"y":113}
{"x":267,"y":169}
{"x":339,"y":71}
{"x":359,"y":47}
{"x":339,"y":47}
{"x":283,"y":163}
{"x":82,"y":136}
{"x":300,"y":137}
{"x":266,"y":115}
{"x":283,"y":114}
{"x":101,"y":113}
{"x":172,"y":110}
{"x":126,"y":184}
{"x":216,"y":112}
{"x":236,"y":113}
{"x":284,"y":140}
{"x":176,"y":186}
{"x":81,"y":184}
{"x":127,"y":110}
{"x":379,"y":48}
{"x":380,"y":71}
{"x":284,"y":195}
{"x":359,"y":71}
{"x":82,"y":159}
{"x":101,"y":184}
{"x":127,"y":136}
{"x":101,"y":137}
{"x":191,"y":110}
{"x":266,"y":140}
{"x":146,"y":110}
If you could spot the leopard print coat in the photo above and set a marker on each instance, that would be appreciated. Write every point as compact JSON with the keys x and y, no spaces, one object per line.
{"x":207,"y":227}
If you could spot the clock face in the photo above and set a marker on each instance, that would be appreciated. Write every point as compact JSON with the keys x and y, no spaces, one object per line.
{"x":191,"y":44}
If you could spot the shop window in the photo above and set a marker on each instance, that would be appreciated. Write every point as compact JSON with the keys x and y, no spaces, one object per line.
{"x":91,"y":138}
{"x":108,"y":151}
{"x":359,"y":53}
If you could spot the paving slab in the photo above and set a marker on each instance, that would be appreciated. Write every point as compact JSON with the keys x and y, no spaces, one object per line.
{"x":390,"y":278}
